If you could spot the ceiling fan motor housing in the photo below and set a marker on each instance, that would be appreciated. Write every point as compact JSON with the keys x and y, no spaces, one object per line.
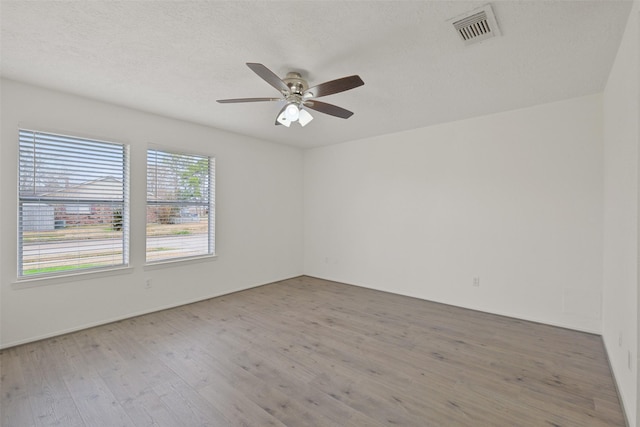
{"x":295,"y":82}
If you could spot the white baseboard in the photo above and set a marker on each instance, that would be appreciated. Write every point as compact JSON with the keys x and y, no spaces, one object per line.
{"x":130,"y":315}
{"x":615,"y":382}
{"x":480,"y":309}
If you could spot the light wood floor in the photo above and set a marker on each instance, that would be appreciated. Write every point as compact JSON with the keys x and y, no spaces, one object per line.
{"x":308,"y":352}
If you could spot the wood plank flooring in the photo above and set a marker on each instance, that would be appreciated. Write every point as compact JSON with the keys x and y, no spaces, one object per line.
{"x":309,"y":352}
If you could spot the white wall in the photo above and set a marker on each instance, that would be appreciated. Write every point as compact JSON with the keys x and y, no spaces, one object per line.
{"x":620,"y":284}
{"x":513,"y":198}
{"x":258,"y":227}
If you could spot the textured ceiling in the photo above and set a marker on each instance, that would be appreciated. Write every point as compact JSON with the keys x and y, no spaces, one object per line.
{"x":176,"y":58}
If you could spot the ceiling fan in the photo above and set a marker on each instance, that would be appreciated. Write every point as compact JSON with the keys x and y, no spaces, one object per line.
{"x":298,"y":96}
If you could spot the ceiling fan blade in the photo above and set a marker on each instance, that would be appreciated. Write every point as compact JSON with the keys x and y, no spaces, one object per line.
{"x":334,"y":86}
{"x":229,"y":101}
{"x":268,"y":76}
{"x":332,"y":110}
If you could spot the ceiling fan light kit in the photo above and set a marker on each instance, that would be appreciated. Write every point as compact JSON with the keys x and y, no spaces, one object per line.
{"x":299,"y":97}
{"x":292,"y":113}
{"x":304,"y":118}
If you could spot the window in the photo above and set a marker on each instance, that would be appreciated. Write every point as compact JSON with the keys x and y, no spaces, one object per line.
{"x":73,"y":204}
{"x":180,"y":207}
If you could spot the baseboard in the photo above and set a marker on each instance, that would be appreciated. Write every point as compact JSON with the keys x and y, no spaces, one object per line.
{"x":615,"y":383}
{"x":131,"y":315}
{"x":169,"y":306}
{"x":479,"y":309}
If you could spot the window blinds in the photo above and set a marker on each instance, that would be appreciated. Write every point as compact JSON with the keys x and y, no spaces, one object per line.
{"x":180,"y":210}
{"x":73,"y":203}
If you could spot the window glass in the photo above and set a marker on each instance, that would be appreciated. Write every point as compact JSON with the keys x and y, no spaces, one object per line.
{"x":72,"y":204}
{"x":180,"y":209}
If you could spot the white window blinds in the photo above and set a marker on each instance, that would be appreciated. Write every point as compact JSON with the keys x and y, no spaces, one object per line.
{"x":180,"y":207}
{"x":73,"y":204}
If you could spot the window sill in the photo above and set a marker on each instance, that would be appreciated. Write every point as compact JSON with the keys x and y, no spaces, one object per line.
{"x":179,"y":261}
{"x":30,"y":282}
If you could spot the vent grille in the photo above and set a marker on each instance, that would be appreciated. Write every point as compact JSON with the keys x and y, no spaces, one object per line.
{"x":477,"y":25}
{"x":473,"y":26}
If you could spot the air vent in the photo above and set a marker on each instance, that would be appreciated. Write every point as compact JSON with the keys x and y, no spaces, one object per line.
{"x":477,"y":25}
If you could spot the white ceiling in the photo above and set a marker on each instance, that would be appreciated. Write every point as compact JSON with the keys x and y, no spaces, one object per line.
{"x":176,"y":58}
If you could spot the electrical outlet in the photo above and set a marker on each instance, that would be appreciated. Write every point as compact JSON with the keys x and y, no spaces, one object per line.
{"x":476,"y":282}
{"x":620,"y":339}
{"x":147,"y":284}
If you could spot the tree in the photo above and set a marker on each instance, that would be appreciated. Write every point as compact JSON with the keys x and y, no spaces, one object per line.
{"x":194,"y":182}
{"x":116,"y":220}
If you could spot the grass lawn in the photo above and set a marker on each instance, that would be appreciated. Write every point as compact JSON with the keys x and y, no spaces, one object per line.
{"x":58,"y":268}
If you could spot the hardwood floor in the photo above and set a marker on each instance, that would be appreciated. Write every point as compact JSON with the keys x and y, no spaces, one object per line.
{"x":308,"y":352}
